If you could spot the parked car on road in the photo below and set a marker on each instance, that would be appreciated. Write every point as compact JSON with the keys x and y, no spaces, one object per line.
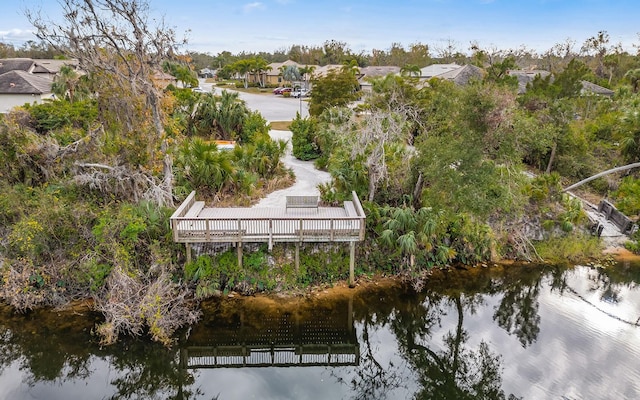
{"x":281,"y":90}
{"x":300,"y":93}
{"x":199,"y":90}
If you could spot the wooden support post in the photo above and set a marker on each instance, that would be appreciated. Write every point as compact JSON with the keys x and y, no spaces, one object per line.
{"x":297,"y":257}
{"x":239,"y":245}
{"x":352,"y":261}
{"x":188,"y":246}
{"x":350,"y":315}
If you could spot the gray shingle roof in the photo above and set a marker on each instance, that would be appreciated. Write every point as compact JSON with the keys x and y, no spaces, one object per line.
{"x":462,"y":75}
{"x":595,"y":89}
{"x":527,"y":76}
{"x":437,"y":69}
{"x":52,"y":66}
{"x":13,"y":64}
{"x":20,"y":82}
{"x":377,"y":71}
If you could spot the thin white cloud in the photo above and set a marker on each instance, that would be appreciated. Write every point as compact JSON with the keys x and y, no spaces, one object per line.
{"x":16,"y":35}
{"x":256,"y":5}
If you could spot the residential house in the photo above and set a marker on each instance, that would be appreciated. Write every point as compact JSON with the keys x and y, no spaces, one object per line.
{"x":273,"y":74}
{"x":52,"y":67}
{"x":463,"y":75}
{"x":16,"y":64}
{"x":592,"y":88}
{"x":432,"y":70}
{"x":368,"y":73}
{"x":527,"y":76}
{"x":458,"y":74}
{"x":322,"y":71}
{"x":19,"y":87}
{"x":162,"y":79}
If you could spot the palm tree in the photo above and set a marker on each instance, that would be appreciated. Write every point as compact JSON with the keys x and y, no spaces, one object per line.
{"x":409,"y":230}
{"x":258,"y":67}
{"x":634,"y":78}
{"x":306,"y":73}
{"x":203,"y":166}
{"x":629,"y":132}
{"x":204,"y":119}
{"x":291,"y":73}
{"x":410,"y":70}
{"x":242,"y":68}
{"x":232,"y":112}
{"x":65,"y":83}
{"x":351,"y":67}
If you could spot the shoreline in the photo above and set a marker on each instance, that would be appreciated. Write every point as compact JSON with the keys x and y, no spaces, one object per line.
{"x":367,"y":283}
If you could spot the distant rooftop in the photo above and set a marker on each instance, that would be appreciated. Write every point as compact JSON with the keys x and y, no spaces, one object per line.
{"x":21,"y":82}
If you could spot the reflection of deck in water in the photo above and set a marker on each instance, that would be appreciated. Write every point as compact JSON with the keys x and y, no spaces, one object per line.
{"x":271,"y":356}
{"x":322,"y":337}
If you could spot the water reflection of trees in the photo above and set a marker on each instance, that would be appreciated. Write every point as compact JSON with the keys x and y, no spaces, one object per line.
{"x":456,"y":370}
{"x":435,"y":345}
{"x":151,"y":372}
{"x":58,"y":347}
{"x":452,"y":370}
{"x":517,"y":312}
{"x":610,"y":281}
{"x":38,"y":343}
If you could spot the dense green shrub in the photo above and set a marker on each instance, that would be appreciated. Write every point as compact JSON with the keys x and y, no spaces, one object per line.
{"x":303,"y":140}
{"x":627,"y":197}
{"x":201,"y":166}
{"x":57,"y":114}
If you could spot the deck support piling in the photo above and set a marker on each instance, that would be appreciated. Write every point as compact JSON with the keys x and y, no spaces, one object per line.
{"x":352,"y":261}
{"x":188,"y":246}
{"x":239,"y":245}
{"x":297,"y":257}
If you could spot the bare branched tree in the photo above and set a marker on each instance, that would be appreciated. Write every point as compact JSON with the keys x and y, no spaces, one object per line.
{"x":379,"y":128}
{"x":114,"y":38}
{"x":132,"y":306}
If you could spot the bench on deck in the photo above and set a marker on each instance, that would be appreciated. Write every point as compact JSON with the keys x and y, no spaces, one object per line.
{"x":350,"y":209}
{"x":194,"y":210}
{"x":302,"y":202}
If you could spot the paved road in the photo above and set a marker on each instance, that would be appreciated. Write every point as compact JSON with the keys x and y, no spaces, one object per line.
{"x":272,"y":107}
{"x":277,"y":108}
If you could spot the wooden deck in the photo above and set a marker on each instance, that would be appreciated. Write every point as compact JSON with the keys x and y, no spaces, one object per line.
{"x":194,"y":223}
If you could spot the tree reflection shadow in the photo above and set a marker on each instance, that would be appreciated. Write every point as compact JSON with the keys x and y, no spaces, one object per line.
{"x":517,"y":312}
{"x":439,"y":355}
{"x":59,"y":347}
{"x":455,"y":371}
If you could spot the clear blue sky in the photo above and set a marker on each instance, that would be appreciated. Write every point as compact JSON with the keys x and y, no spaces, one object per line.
{"x":213,"y":26}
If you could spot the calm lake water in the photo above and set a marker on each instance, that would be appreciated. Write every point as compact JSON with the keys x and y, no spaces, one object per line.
{"x":532,"y":332}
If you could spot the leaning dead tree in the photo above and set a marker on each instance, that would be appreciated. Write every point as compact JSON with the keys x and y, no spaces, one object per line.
{"x":596,"y":176}
{"x":113,"y":39}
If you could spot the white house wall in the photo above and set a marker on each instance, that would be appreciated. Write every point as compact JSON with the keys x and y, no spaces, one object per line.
{"x":9,"y":101}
